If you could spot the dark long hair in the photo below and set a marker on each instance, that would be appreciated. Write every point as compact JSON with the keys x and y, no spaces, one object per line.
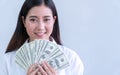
{"x":20,"y":35}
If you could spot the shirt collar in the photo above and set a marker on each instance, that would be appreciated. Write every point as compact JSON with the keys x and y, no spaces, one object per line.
{"x":51,"y":39}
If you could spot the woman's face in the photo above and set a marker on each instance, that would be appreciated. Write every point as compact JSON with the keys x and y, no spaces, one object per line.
{"x":39,"y":22}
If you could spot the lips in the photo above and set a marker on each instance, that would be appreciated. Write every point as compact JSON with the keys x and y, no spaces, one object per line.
{"x":40,"y":34}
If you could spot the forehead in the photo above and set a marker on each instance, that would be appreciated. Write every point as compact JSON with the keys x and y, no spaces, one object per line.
{"x":41,"y":10}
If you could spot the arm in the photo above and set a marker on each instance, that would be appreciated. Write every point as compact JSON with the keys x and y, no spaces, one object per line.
{"x":76,"y":66}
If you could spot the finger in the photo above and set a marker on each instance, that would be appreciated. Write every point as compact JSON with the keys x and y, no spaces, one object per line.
{"x":49,"y":72}
{"x":42,"y":71}
{"x":38,"y":73}
{"x":32,"y":68}
{"x":50,"y":67}
{"x":35,"y":71}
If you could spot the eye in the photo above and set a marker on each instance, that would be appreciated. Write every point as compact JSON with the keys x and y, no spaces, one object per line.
{"x":47,"y":20}
{"x":33,"y":20}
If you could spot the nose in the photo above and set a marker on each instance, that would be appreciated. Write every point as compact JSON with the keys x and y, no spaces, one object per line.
{"x":40,"y":26}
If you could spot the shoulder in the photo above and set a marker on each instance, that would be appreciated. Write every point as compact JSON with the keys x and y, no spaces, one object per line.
{"x":10,"y":54}
{"x":69,"y":52}
{"x":9,"y":57}
{"x":11,"y":66}
{"x":76,"y":65}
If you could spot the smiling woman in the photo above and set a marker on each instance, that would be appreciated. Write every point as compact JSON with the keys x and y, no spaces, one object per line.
{"x":38,"y":19}
{"x":39,"y":22}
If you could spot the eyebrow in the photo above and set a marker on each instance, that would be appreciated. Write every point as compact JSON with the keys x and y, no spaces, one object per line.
{"x":33,"y":17}
{"x":46,"y":16}
{"x":37,"y":17}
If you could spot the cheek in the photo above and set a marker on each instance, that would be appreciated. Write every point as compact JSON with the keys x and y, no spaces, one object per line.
{"x":29,"y":28}
{"x":50,"y":28}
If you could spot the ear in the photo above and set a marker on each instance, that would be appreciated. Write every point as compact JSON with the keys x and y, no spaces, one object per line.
{"x":54,"y":18}
{"x":23,"y":20}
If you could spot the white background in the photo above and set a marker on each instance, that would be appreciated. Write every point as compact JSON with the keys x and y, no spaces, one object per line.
{"x":90,"y":27}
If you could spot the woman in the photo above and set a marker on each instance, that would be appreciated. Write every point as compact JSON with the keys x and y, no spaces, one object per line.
{"x":38,"y":19}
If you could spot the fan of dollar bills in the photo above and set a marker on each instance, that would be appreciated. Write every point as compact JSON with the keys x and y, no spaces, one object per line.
{"x":40,"y":50}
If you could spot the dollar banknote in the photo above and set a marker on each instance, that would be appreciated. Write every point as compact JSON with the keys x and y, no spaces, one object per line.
{"x":41,"y":50}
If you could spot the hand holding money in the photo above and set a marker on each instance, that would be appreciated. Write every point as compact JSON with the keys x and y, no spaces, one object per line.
{"x":41,"y":69}
{"x":38,"y":51}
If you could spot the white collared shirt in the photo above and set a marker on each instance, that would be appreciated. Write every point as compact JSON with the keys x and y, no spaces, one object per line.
{"x":75,"y":64}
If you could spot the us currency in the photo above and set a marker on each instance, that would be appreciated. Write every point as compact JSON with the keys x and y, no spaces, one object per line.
{"x":49,"y":49}
{"x":38,"y":51}
{"x":58,"y":60}
{"x":21,"y":59}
